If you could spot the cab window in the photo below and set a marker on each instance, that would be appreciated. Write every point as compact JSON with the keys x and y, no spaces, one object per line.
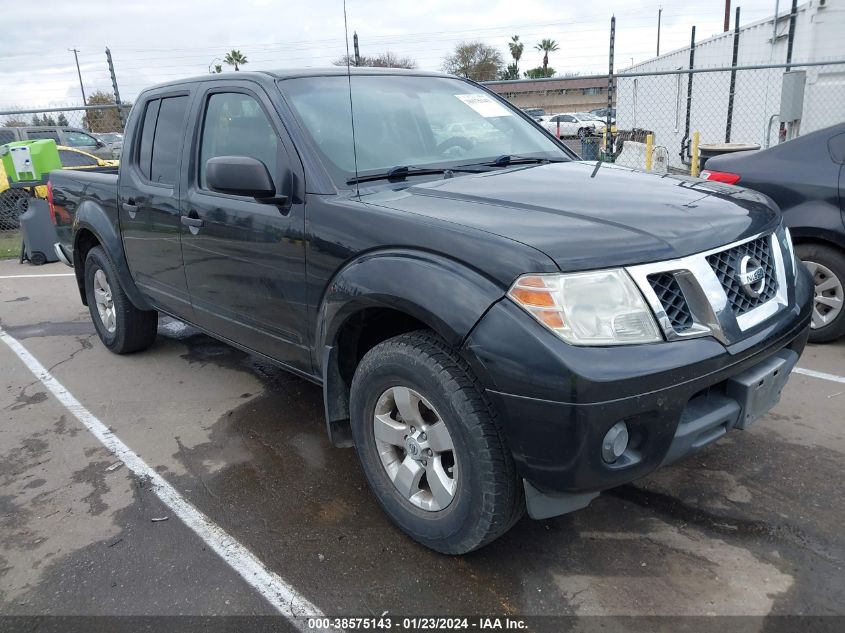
{"x":236,"y":125}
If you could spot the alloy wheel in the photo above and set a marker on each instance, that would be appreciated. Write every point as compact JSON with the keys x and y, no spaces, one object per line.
{"x":415,"y":448}
{"x":828,"y":291}
{"x":105,"y":301}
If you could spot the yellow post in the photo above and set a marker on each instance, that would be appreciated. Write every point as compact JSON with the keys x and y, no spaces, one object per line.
{"x":693,"y":171}
{"x":649,"y":148}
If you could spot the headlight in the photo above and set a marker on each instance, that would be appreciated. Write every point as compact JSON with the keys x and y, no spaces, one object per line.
{"x":593,"y":308}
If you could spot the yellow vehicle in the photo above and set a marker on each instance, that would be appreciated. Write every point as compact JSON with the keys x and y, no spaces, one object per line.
{"x":13,"y":202}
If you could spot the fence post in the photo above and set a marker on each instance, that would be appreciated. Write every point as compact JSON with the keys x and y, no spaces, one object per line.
{"x":608,"y":148}
{"x":693,"y":169}
{"x":733,"y":80}
{"x":116,"y":91}
{"x":685,"y":140}
{"x":649,"y":148}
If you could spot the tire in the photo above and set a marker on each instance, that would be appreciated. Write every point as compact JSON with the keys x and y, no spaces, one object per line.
{"x":582,"y":133}
{"x":123,"y":328}
{"x":827,"y":266}
{"x":486,"y":496}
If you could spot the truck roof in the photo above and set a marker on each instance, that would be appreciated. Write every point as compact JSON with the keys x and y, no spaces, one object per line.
{"x":292,"y":73}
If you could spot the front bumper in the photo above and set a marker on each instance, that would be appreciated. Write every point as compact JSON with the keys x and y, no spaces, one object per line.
{"x":556,"y":401}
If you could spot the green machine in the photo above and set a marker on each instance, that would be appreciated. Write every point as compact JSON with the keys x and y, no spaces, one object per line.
{"x":27,"y":163}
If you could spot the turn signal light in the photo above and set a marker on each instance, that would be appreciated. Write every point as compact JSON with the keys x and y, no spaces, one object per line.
{"x":720,"y":176}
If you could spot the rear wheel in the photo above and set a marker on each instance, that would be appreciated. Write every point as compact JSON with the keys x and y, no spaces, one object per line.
{"x":430,"y":446}
{"x":827,"y":266}
{"x":121,"y":326}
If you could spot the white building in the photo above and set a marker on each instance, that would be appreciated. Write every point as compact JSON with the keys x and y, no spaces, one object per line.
{"x":658,"y":103}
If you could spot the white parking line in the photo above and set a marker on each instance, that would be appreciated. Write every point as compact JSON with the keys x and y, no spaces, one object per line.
{"x":284,"y":598}
{"x":819,"y":374}
{"x":31,"y":276}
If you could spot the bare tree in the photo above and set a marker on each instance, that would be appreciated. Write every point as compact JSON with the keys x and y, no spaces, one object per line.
{"x":15,"y":122}
{"x":474,"y":60}
{"x":388,"y":59}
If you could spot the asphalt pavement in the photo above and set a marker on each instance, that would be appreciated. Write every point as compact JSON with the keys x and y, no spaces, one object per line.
{"x":751,"y":526}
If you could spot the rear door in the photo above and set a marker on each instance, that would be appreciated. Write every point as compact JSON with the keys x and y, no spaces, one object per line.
{"x":148,"y":201}
{"x":245,"y":265}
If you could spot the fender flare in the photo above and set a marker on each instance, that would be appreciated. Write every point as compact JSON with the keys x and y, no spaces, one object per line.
{"x":93,"y":217}
{"x":816,"y":220}
{"x":443,"y":293}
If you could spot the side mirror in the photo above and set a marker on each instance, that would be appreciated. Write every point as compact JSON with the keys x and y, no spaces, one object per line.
{"x":241,"y":176}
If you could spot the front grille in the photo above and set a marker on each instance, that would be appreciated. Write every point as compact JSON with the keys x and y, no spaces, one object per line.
{"x":726,"y":266}
{"x":672,"y":299}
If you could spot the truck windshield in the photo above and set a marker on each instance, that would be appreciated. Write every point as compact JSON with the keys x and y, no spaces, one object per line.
{"x":431,"y":122}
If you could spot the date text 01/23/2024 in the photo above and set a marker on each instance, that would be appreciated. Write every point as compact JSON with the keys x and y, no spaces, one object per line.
{"x":411,"y":624}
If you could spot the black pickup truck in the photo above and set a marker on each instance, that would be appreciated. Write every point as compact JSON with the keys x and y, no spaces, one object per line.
{"x":496,"y":325}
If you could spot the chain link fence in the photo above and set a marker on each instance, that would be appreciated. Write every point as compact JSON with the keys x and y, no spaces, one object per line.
{"x":72,"y":126}
{"x":739,"y":105}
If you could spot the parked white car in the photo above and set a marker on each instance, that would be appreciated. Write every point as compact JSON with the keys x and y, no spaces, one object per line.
{"x":572,"y":124}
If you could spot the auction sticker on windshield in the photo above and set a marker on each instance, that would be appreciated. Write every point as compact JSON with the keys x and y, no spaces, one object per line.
{"x":484,"y":105}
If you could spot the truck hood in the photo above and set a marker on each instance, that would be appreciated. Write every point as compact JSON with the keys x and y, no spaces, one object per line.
{"x":591,"y":215}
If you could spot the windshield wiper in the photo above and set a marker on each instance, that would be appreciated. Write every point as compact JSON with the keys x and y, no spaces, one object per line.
{"x":401,"y":172}
{"x":509,"y":159}
{"x":506,"y":160}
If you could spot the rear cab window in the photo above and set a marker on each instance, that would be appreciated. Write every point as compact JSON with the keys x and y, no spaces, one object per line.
{"x":160,"y":136}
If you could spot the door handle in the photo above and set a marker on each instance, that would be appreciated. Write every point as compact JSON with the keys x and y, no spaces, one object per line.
{"x":130,"y":207}
{"x":192,"y":222}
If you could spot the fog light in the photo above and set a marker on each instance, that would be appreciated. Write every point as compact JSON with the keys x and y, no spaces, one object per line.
{"x":615,"y":442}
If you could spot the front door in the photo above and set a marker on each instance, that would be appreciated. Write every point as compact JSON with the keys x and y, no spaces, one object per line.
{"x":245,"y":263}
{"x":148,"y":204}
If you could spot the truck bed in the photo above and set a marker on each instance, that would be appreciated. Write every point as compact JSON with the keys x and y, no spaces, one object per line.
{"x":73,"y":188}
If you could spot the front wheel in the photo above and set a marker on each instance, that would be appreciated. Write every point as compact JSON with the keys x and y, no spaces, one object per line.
{"x":430,"y":446}
{"x":121,"y":326}
{"x":827,"y":266}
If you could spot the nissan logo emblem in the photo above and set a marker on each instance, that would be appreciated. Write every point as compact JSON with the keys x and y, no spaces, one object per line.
{"x":751,"y":276}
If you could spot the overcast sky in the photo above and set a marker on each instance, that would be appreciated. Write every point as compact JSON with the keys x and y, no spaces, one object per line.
{"x":156,"y":40}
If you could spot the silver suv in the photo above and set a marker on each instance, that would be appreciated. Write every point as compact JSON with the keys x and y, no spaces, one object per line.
{"x":63,"y":135}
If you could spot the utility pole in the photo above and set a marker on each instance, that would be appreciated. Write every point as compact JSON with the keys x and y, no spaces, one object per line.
{"x":727,"y":16}
{"x":659,"y":15}
{"x":355,"y":46}
{"x":78,"y":72}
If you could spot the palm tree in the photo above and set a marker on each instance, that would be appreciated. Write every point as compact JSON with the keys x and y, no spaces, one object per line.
{"x":547,"y":46}
{"x":516,"y":51}
{"x":235,"y":58}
